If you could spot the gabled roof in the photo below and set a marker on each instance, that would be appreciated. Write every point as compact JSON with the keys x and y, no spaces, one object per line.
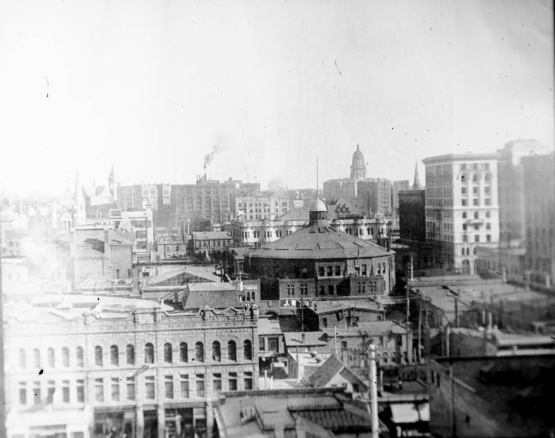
{"x":329,"y":369}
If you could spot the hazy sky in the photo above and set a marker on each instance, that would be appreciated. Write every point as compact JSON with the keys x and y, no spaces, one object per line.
{"x":154,"y":86}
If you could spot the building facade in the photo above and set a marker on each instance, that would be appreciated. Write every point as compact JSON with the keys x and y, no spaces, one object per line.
{"x":261,"y":207}
{"x":140,"y":367}
{"x":539,"y":205}
{"x":374,"y":196}
{"x":412,"y":215}
{"x":462,"y":210}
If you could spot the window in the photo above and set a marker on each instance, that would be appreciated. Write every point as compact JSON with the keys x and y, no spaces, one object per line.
{"x":330,"y":271}
{"x":476,"y":215}
{"x":464,"y":214}
{"x":321,"y":271}
{"x":149,"y":353}
{"x":65,"y":357}
{"x":168,"y":386}
{"x":36,"y":393}
{"x":65,"y":391}
{"x":22,"y":393}
{"x":168,"y":354}
{"x":475,"y":190}
{"x":98,"y":356}
{"x":200,"y":385}
{"x":216,"y":356}
{"x":325,"y":322}
{"x":183,"y":352}
{"x":476,"y":238}
{"x":488,"y":214}
{"x":184,"y":386}
{"x":487,"y":201}
{"x":331,"y":289}
{"x":232,"y":351}
{"x":80,"y":387}
{"x":361,"y":288}
{"x":465,"y":239}
{"x":22,"y":359}
{"x":233,"y":381}
{"x":79,"y":356}
{"x":488,"y":238}
{"x":114,"y":355}
{"x":115,"y":389}
{"x":463,"y":190}
{"x":476,"y":202}
{"x":51,"y":358}
{"x":290,"y":289}
{"x":304,"y":289}
{"x":99,"y":390}
{"x":464,"y":227}
{"x":199,"y":352}
{"x":337,"y":270}
{"x":322,"y":290}
{"x":364,"y":270}
{"x":131,"y":388}
{"x":463,"y":202}
{"x":247,"y":350}
{"x":343,"y":345}
{"x":149,"y":387}
{"x":248,"y":380}
{"x":130,"y":354}
{"x":217,"y":382}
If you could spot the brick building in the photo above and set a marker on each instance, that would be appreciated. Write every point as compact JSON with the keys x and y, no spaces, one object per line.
{"x":122,"y":365}
{"x":318,"y":260}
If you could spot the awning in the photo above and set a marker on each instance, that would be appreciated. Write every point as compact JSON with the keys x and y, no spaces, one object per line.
{"x":410,"y":412}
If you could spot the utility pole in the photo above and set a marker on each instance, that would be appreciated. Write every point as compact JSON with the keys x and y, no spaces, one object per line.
{"x":373,"y":392}
{"x":408,"y":327}
{"x":419,"y":354}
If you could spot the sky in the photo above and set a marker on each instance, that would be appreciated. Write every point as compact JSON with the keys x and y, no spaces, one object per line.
{"x":265,"y":88}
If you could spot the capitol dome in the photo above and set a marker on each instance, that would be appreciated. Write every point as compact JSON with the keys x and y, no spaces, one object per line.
{"x":358,"y":168}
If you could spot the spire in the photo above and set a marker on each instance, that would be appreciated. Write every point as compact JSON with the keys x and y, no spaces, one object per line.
{"x":416,"y":184}
{"x":111,"y":175}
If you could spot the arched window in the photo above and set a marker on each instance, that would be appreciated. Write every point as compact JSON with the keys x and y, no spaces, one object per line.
{"x":216,"y":356}
{"x":183,"y":352}
{"x":130,"y":354}
{"x":476,"y":215}
{"x":149,"y":353}
{"x":51,"y":358}
{"x":65,"y":357}
{"x":22,"y":358}
{"x":36,"y":358}
{"x":247,"y":350}
{"x":79,"y":356}
{"x":199,"y":352}
{"x":232,"y":351}
{"x":114,"y":355}
{"x":168,"y":354}
{"x":98,"y":356}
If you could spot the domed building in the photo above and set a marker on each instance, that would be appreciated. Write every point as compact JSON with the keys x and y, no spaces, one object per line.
{"x":358,"y":168}
{"x":320,"y":261}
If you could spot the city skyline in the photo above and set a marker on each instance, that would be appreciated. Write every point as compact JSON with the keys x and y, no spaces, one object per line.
{"x":269,"y":88}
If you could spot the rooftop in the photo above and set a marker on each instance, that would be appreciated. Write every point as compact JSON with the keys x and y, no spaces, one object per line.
{"x":267,"y":326}
{"x":210,"y":235}
{"x":305,"y":339}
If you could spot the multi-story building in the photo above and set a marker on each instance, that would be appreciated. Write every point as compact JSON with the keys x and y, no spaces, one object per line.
{"x":462,"y":211}
{"x":154,"y":197}
{"x":84,"y":366}
{"x":100,"y":253}
{"x":374,"y":196}
{"x":261,"y":207}
{"x":512,"y":226}
{"x":412,"y":211}
{"x":318,"y":260}
{"x":539,"y":206}
{"x":206,"y":242}
{"x":396,"y":187}
{"x":140,"y":223}
{"x":346,"y":187}
{"x":208,"y":200}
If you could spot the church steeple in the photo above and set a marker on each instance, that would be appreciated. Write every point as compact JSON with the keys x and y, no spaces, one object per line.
{"x":416,"y":184}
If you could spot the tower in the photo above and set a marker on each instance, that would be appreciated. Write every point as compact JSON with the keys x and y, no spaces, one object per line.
{"x":358,"y":167}
{"x":416,"y":184}
{"x":112,"y":185}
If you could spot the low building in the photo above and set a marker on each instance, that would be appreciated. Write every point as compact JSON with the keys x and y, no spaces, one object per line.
{"x":206,"y":242}
{"x":293,"y":412}
{"x":335,"y":374}
{"x":318,"y":315}
{"x":301,"y":365}
{"x":492,"y":396}
{"x":270,"y":337}
{"x":107,"y":365}
{"x":169,"y":250}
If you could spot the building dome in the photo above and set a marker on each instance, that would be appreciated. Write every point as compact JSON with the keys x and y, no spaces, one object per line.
{"x":318,"y":205}
{"x":358,"y":168}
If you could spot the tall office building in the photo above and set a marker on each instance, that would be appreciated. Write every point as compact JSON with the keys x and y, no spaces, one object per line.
{"x":462,"y":211}
{"x":511,"y":190}
{"x":539,"y":206}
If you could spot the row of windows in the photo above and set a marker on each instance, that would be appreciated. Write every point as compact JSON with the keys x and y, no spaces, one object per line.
{"x":115,"y":387}
{"x":149,"y":354}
